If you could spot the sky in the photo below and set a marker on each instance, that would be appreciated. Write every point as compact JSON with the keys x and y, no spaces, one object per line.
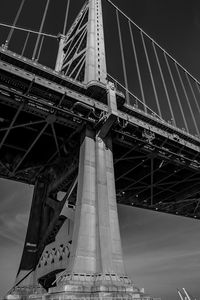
{"x":162,"y":252}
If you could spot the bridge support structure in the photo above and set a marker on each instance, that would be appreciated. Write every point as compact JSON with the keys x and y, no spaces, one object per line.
{"x":94,"y":266}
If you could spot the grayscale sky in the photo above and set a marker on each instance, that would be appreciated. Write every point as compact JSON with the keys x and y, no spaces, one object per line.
{"x":162,"y":252}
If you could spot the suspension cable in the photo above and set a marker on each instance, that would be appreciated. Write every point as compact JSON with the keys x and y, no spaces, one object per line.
{"x":41,"y":28}
{"x":191,"y":111}
{"x":28,"y":30}
{"x":163,"y":82}
{"x":137,"y":63}
{"x":178,"y":98}
{"x":14,"y":23}
{"x":198,"y":88}
{"x":66,"y":17}
{"x":151,"y":74}
{"x":175,"y":89}
{"x":147,"y":107}
{"x":184,"y":90}
{"x":117,"y":8}
{"x":40,"y":48}
{"x":122,"y":56}
{"x":192,"y":90}
{"x":25,"y":43}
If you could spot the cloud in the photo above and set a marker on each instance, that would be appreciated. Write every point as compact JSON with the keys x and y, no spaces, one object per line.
{"x":14,"y":207}
{"x":13,"y":228}
{"x":10,"y":258}
{"x":161,"y":251}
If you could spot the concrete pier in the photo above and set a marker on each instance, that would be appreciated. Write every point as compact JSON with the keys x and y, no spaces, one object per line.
{"x":96,"y":265}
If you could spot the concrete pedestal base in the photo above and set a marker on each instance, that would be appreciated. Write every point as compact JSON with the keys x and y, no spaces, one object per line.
{"x":27,"y":292}
{"x":94,"y":287}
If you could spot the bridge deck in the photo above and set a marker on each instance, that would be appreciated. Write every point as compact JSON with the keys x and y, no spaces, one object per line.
{"x":42,"y":115}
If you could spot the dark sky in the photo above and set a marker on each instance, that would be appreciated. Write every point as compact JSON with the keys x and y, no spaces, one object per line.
{"x":162,"y":252}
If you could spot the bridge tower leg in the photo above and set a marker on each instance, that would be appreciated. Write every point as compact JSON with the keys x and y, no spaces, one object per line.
{"x":96,"y":264}
{"x":96,"y":239}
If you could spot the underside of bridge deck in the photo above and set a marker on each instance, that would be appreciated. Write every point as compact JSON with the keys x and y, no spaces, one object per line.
{"x":41,"y":124}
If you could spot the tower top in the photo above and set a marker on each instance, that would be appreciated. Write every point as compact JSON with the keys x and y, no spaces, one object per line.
{"x":82,"y":50}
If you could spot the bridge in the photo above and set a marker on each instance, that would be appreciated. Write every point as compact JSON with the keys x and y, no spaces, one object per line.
{"x":115,"y":120}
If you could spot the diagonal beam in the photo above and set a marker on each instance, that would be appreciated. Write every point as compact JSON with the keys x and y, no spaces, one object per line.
{"x":137,"y":181}
{"x":11,"y":125}
{"x":4,"y":166}
{"x":14,"y":147}
{"x":127,"y":172}
{"x":55,"y":138}
{"x":155,"y":170}
{"x":130,"y":185}
{"x":182,"y":181}
{"x":31,"y":146}
{"x":64,"y":142}
{"x":75,"y":46}
{"x":172,"y":182}
{"x":144,"y":188}
{"x":131,"y":158}
{"x":180,"y":208}
{"x":197,"y":206}
{"x":80,"y":68}
{"x":70,"y":191}
{"x":23,"y":125}
{"x":124,"y":155}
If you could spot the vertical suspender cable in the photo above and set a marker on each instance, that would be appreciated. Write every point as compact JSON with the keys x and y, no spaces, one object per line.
{"x":174,"y":85}
{"x":41,"y":28}
{"x":164,"y":84}
{"x":66,"y":17}
{"x":122,"y":57}
{"x":191,"y":111}
{"x":188,"y":101}
{"x":25,"y":44}
{"x":15,"y":21}
{"x":197,"y":85}
{"x":40,"y":48}
{"x":185,"y":93}
{"x":137,"y":65}
{"x":192,"y":90}
{"x":151,"y":74}
{"x":162,"y":49}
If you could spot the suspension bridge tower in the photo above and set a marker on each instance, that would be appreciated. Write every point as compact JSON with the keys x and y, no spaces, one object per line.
{"x":88,"y":244}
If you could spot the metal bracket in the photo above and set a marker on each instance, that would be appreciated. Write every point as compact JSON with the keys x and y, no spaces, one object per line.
{"x":112,"y":111}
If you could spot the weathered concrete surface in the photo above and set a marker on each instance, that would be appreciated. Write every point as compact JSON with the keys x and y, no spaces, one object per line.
{"x":96,"y":247}
{"x":96,"y":265}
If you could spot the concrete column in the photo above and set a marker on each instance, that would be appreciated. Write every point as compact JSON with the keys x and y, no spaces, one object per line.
{"x":104,"y":232}
{"x":96,"y":243}
{"x":83,"y":258}
{"x":109,"y":234}
{"x":116,"y":248}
